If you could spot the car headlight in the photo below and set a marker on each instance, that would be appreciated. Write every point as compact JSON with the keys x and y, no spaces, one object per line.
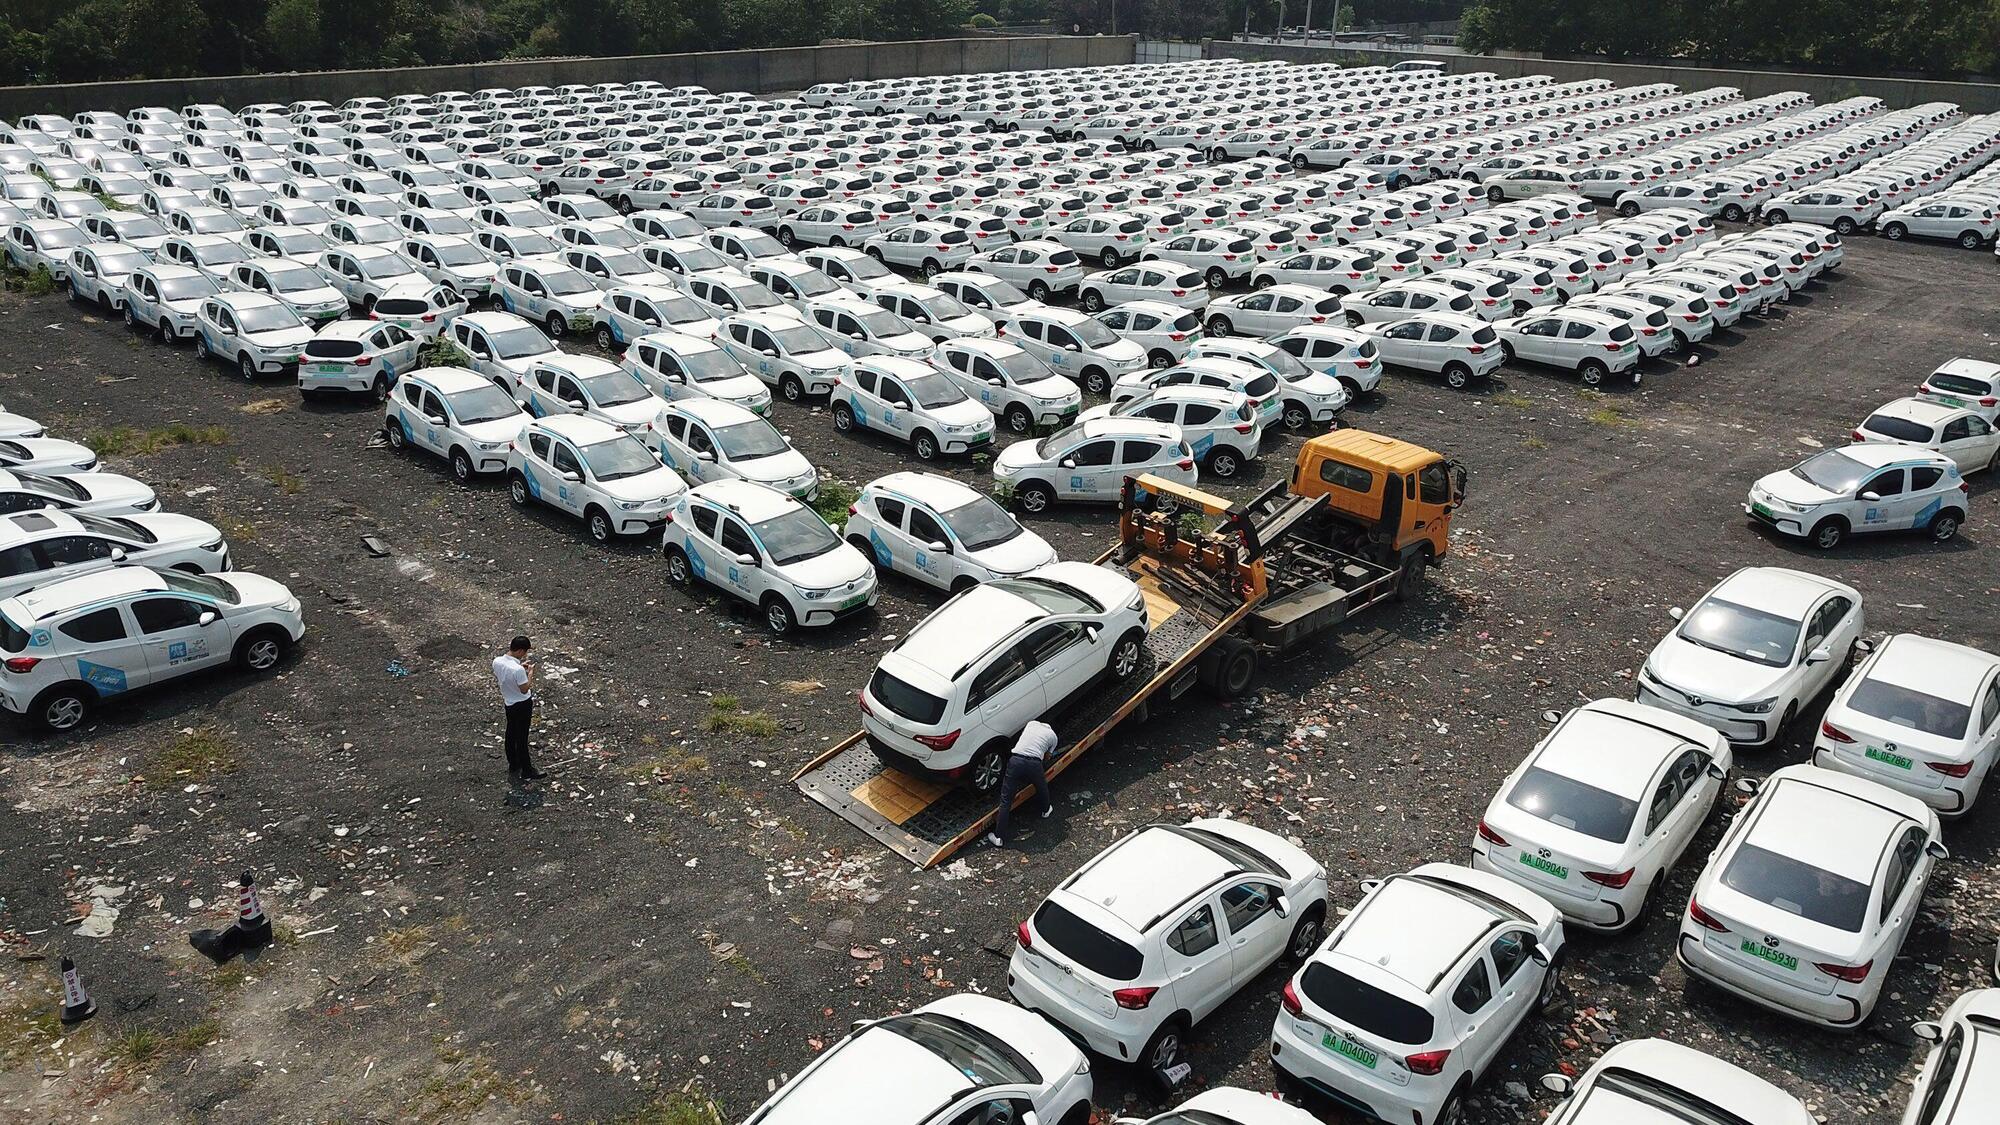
{"x":491,"y":446}
{"x":214,"y":548}
{"x":633,"y":505}
{"x":1757,"y":706}
{"x":290,"y":605}
{"x":814,"y":595}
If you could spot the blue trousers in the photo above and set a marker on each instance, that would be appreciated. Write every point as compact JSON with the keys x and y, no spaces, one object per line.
{"x":1021,"y":770}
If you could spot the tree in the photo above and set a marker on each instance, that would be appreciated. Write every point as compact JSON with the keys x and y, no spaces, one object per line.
{"x":293,"y":27}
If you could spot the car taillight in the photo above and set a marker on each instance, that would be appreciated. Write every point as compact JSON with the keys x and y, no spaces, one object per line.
{"x":1616,"y":880}
{"x":938,"y":741}
{"x":1989,"y":401}
{"x":1856,"y":436}
{"x":1185,"y":463}
{"x":1704,"y":919}
{"x":1834,"y":732}
{"x":1852,"y":974}
{"x":1290,"y":999}
{"x":1487,"y":834}
{"x":22,"y":663}
{"x":1951,"y":769}
{"x":1427,"y":1062}
{"x":862,"y":697}
{"x":1134,"y":999}
{"x":1051,"y":269}
{"x":1176,"y":337}
{"x":1613,"y":347}
{"x":1022,"y":935}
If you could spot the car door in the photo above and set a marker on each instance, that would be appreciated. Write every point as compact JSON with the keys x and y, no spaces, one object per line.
{"x":434,"y":435}
{"x":1517,"y":984}
{"x":175,"y":638}
{"x":1081,"y":472}
{"x":1906,"y":871}
{"x":109,"y":652}
{"x":703,"y":456}
{"x":932,"y":549}
{"x":748,"y":580}
{"x":1893,"y":506}
{"x":1060,"y":654}
{"x":1537,"y":339}
{"x":1006,"y":694}
{"x":898,"y":416}
{"x":1834,"y":624}
{"x":1199,"y":962}
{"x":1971,"y":442}
{"x":984,"y":1108}
{"x":705,"y":554}
{"x":1403,"y":343}
{"x":1676,"y":809}
{"x":570,"y":481}
{"x":1257,"y":934}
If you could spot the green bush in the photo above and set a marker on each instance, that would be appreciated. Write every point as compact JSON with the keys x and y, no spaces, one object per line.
{"x":982,"y":20}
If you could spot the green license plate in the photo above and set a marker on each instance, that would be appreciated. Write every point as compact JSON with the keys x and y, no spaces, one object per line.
{"x":330,"y":368}
{"x":1544,"y":866}
{"x":979,"y":439}
{"x":1763,"y":952}
{"x":1349,"y":1050}
{"x":1953,"y":400}
{"x":1887,"y":758}
{"x":854,"y":601}
{"x":1763,"y":511}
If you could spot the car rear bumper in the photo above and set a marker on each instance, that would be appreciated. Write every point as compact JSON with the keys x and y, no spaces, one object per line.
{"x":1084,"y":1027}
{"x":1947,"y":799}
{"x":1832,"y":1010}
{"x":1602,"y":913}
{"x":1348,"y":1084}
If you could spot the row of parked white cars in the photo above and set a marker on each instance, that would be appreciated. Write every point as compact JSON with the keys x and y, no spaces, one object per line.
{"x":102,"y":592}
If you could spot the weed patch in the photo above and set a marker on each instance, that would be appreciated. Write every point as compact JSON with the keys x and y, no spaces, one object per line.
{"x":119,"y":441}
{"x":726,"y":716}
{"x":201,"y":753}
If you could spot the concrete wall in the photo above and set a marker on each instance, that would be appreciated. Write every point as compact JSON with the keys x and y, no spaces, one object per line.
{"x":763,"y":71}
{"x":1973,"y":97}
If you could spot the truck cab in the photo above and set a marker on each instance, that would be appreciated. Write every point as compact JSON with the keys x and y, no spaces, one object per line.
{"x":1387,"y":500}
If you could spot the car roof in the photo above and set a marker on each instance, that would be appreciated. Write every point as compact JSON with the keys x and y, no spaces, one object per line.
{"x":493,"y":320}
{"x":1882,"y":454}
{"x":1188,"y":392}
{"x":1918,"y":410}
{"x":1777,"y":589}
{"x":1973,"y":368}
{"x":1934,"y":667}
{"x":347,"y":329}
{"x":1813,"y":817}
{"x":450,"y":380}
{"x":238,"y":299}
{"x":1415,"y":929}
{"x":578,"y":365}
{"x":1147,"y":875}
{"x":55,"y":598}
{"x":1735,"y":1090}
{"x":1616,"y":746}
{"x":754,"y":502}
{"x":579,"y":428}
{"x":930,"y":489}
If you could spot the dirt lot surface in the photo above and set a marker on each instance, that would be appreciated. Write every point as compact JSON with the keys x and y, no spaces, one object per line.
{"x":669,"y":914}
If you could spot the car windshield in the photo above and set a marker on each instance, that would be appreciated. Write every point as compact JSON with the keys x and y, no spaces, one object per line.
{"x":911,"y":703}
{"x":755,"y":296}
{"x":881,"y":322}
{"x":52,"y":486}
{"x":458,"y":254}
{"x":1568,"y":803}
{"x":1093,"y":334}
{"x":619,"y":457}
{"x":514,"y":343}
{"x":747,"y":441}
{"x":202,"y":585}
{"x":486,"y":403}
{"x":1959,"y":384}
{"x":117,"y":529}
{"x":567,"y":283}
{"x":1079,"y":941}
{"x":1797,"y":887}
{"x":983,"y":1059}
{"x":1833,"y":471}
{"x":139,"y":226}
{"x":1908,"y":707}
{"x":1049,"y":595}
{"x":186,"y":288}
{"x":934,"y":390}
{"x":1362,"y":1005}
{"x":797,"y":535}
{"x":527,"y":244}
{"x":295,"y":280}
{"x":268,"y":318}
{"x":799,"y":339}
{"x":1753,"y":634}
{"x":115,"y":262}
{"x":215,"y":224}
{"x":613,"y":388}
{"x":386,"y":266}
{"x":943,"y":305}
{"x":981,"y":523}
{"x":702,"y":258}
{"x":865,"y":268}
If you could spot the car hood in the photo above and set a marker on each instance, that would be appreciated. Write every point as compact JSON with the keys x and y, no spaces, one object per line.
{"x":296,"y":337}
{"x":974,"y":324}
{"x":1019,"y":455}
{"x":966,"y":413}
{"x":257,"y":591}
{"x":908,"y":343}
{"x":788,"y":465}
{"x":176,"y":530}
{"x":837,"y":567}
{"x":1024,"y":552}
{"x":659,"y":484}
{"x":312,"y":298}
{"x":108,"y":488}
{"x":494,"y":432}
{"x":1794,"y":489}
{"x":827,"y":360}
{"x":630,"y":414}
{"x":1708,"y":674}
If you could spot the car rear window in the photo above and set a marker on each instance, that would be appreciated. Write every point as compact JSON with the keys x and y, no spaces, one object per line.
{"x":333,"y":349}
{"x":1085,"y":944}
{"x":911,"y":703}
{"x":1960,"y":384}
{"x":1621,"y":333}
{"x":401,"y":306}
{"x":1797,"y":887}
{"x":1902,"y":429}
{"x":1261,"y":385}
{"x":1569,"y":803}
{"x":1908,"y":707}
{"x":13,"y":638}
{"x":1360,"y":1004}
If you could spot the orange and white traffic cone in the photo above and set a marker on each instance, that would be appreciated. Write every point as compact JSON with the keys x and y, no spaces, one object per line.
{"x":77,"y":1004}
{"x":255,"y":927}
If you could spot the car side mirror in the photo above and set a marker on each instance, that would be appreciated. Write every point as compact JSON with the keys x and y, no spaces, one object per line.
{"x":208,"y":617}
{"x":1283,"y":906}
{"x":1819,"y":655}
{"x":1676,"y":613}
{"x":1071,"y":348}
{"x":771,"y":352}
{"x":1747,"y":786}
{"x":572,"y":478}
{"x":1028,"y":1117}
{"x":705,"y":454}
{"x":1927,"y":1031}
{"x":996,"y":382}
{"x":1871,"y":496}
{"x":1864,"y":646}
{"x":435,"y":419}
{"x":1558,"y":1084}
{"x":855,"y":336}
{"x":1716,"y":771}
{"x":651,"y":323}
{"x":746,"y":560}
{"x":480,"y":353}
{"x":1552,"y":716}
{"x":1541,"y":955}
{"x":1068,"y":463}
{"x":1936,"y":850}
{"x":938,"y":548}
{"x":117,"y":554}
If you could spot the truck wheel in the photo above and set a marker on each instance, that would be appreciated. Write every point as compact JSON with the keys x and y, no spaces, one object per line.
{"x":1035,"y":497}
{"x":1410,"y":580}
{"x":1232,"y":669}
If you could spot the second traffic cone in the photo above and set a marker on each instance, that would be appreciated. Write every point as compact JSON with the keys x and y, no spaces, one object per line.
{"x":251,"y":921}
{"x":77,"y":1004}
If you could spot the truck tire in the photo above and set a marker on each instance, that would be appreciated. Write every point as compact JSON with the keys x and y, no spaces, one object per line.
{"x":1229,"y":671}
{"x":1411,"y":578}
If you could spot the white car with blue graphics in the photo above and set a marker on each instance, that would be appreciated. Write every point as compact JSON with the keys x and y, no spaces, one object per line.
{"x":585,"y":384}
{"x":941,"y":532}
{"x":1017,"y":388}
{"x":594,"y":471}
{"x":1076,"y":345}
{"x":1865,"y":487}
{"x":456,"y":414}
{"x":1090,"y":461}
{"x":766,"y":548}
{"x":632,"y":311}
{"x":932,"y":311}
{"x":163,"y":299}
{"x":912,"y":400}
{"x":860,"y":328}
{"x":1220,"y":425}
{"x":500,"y":346}
{"x":676,"y":366}
{"x":259,"y":335}
{"x":71,"y":645}
{"x":294,"y":282}
{"x":705,"y":439}
{"x":358,"y":357}
{"x":784,"y":352}
{"x":551,"y":294}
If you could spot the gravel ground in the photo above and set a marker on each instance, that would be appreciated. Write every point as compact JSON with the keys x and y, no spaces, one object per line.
{"x":671,"y":915}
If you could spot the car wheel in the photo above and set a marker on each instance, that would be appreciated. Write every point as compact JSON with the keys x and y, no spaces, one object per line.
{"x":624,"y":205}
{"x":786,"y":237}
{"x":1628,"y":209}
{"x":1353,"y":389}
{"x":1827,"y":533}
{"x":1944,"y":526}
{"x":1223,"y":464}
{"x":1457,"y":376}
{"x":1785,"y":722}
{"x":1843,"y":226}
{"x":1125,"y":656}
{"x":1019,"y":420}
{"x":843,"y":417}
{"x":924,"y":446}
{"x":1894,"y":232}
{"x":599,"y":524}
{"x":556,"y":325}
{"x":1551,"y":982}
{"x":262,"y":649}
{"x":986,"y":769}
{"x":131,"y":318}
{"x":1296,"y":416}
{"x":1215,"y":277}
{"x":200,"y":344}
{"x":1969,"y":240}
{"x":1035,"y":498}
{"x":778,"y":616}
{"x":793,"y":390}
{"x":678,"y":571}
{"x":1452,"y":1112}
{"x":517,"y":489}
{"x":1354,"y":320}
{"x":461,"y":466}
{"x":75,"y":294}
{"x":1159,"y":359}
{"x":246,"y":368}
{"x":1093,"y":301}
{"x":1219,"y":326}
{"x":378,"y":391}
{"x":392,"y":432}
{"x":1733,"y":213}
{"x":1778,"y":217}
{"x":931,"y":268}
{"x":1096,"y":380}
{"x":1495,"y":195}
{"x":62,"y":707}
{"x":1264,"y":281}
{"x":164,"y":332}
{"x":1305,"y":935}
{"x":1593,"y":372}
{"x":875,"y":252}
{"x":1109,"y":258}
{"x":1681,"y":342}
{"x":1039,"y":290}
{"x":605,"y":340}
{"x":1163,"y":1050}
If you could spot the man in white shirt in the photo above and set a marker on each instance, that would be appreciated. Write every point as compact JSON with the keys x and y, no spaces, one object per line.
{"x":1027,"y":764}
{"x":515,"y":671}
